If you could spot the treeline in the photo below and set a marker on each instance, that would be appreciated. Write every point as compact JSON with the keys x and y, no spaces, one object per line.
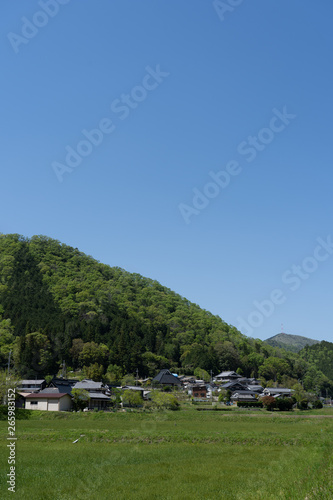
{"x":58,"y":304}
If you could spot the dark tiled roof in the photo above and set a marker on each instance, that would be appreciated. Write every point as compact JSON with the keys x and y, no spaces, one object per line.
{"x":230,"y":385}
{"x":166,"y":377}
{"x":50,"y":390}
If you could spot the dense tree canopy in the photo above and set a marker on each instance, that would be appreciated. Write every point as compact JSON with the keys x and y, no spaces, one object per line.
{"x":58,"y":304}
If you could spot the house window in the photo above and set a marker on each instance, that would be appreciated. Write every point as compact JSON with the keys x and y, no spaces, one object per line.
{"x":34,"y":402}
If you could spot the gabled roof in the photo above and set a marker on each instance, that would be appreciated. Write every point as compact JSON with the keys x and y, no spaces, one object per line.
{"x":98,"y":395}
{"x":247,"y":393}
{"x":230,"y":385}
{"x":31,"y":382}
{"x":50,"y":390}
{"x":59,"y":382}
{"x":133,"y":388}
{"x":166,"y":377}
{"x":278,"y":389}
{"x":255,"y":387}
{"x":228,"y":374}
{"x":88,"y":384}
{"x":46,"y":395}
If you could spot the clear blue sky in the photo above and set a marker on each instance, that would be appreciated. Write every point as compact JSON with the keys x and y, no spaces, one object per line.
{"x":179,"y":91}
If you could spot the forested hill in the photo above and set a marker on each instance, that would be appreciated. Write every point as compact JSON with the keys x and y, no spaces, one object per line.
{"x":289,"y":342}
{"x":57,"y":303}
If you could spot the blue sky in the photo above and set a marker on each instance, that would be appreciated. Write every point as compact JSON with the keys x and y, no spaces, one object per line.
{"x":189,"y":142}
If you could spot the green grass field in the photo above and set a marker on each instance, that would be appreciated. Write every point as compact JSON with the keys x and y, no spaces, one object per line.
{"x":188,"y":454}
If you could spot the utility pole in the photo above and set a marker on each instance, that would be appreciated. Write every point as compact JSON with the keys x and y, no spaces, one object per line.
{"x":9,"y":362}
{"x":136,"y":378}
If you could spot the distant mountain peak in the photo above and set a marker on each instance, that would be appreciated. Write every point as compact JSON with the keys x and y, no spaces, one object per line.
{"x":289,"y":342}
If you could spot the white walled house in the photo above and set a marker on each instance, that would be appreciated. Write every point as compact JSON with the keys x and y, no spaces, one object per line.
{"x":48,"y":401}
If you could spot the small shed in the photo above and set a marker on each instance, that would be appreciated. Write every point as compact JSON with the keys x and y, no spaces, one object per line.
{"x":52,"y":401}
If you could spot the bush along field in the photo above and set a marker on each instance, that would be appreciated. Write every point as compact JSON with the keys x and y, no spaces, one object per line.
{"x":188,"y":454}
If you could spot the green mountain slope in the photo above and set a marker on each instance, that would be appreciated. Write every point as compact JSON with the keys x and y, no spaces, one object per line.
{"x":58,"y":304}
{"x":293,"y":343}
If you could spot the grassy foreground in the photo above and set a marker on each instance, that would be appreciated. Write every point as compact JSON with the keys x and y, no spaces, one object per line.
{"x":172,"y":455}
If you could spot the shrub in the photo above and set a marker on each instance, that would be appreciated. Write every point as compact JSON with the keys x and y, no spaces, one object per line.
{"x":317,"y":404}
{"x":268,"y":402}
{"x":163,"y":401}
{"x":132,"y":398}
{"x":284,"y":404}
{"x":302,"y":404}
{"x":221,"y":398}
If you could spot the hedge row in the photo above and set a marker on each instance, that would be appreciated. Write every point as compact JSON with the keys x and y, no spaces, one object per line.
{"x":249,"y":404}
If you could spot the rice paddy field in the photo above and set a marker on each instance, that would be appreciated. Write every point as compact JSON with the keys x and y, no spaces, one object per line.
{"x":186,"y":454}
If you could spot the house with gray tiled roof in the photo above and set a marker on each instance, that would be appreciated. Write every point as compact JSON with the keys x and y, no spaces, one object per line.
{"x":90,"y":386}
{"x":233,"y":386}
{"x":243,"y":396}
{"x":277,"y":392}
{"x":165,"y":377}
{"x":97,"y":397}
{"x":31,"y":385}
{"x":227,"y":376}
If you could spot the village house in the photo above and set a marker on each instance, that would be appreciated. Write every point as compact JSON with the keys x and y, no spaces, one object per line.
{"x":227,"y":377}
{"x":48,"y":400}
{"x":31,"y":385}
{"x":198,"y":391}
{"x":233,"y":386}
{"x":63,"y":384}
{"x":243,"y":396}
{"x":165,"y":377}
{"x":257,"y":389}
{"x":98,"y":400}
{"x":276,"y":392}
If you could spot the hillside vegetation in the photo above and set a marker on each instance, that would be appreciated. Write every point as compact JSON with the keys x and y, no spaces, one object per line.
{"x":58,"y":304}
{"x":293,"y":343}
{"x":321,"y":355}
